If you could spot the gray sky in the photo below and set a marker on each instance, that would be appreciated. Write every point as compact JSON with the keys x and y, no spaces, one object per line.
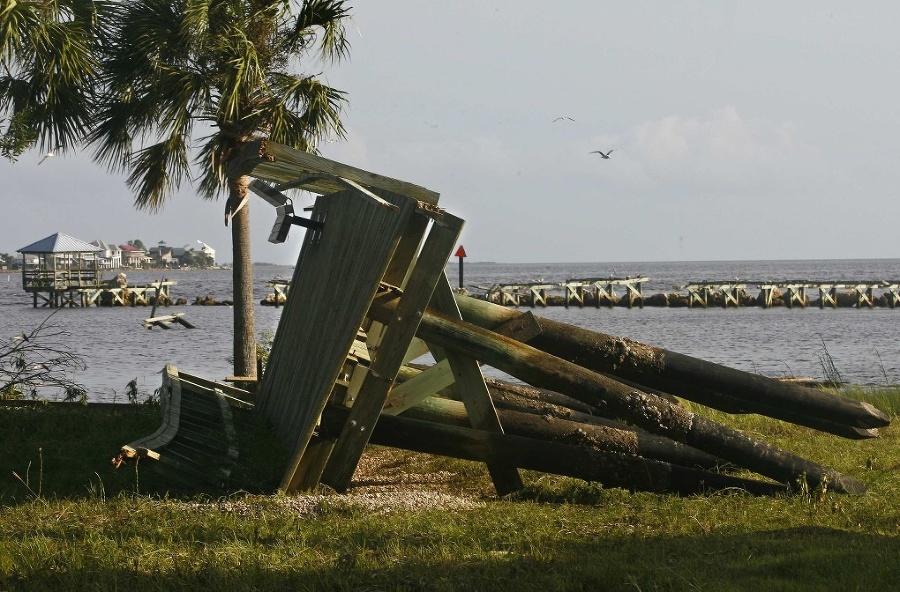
{"x":741,"y":130}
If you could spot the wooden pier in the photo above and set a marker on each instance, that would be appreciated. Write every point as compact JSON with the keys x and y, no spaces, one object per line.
{"x":54,"y":289}
{"x":67,"y":273}
{"x":608,"y":292}
{"x":722,"y":294}
{"x":858,"y":294}
{"x":598,"y":291}
{"x":605,"y":290}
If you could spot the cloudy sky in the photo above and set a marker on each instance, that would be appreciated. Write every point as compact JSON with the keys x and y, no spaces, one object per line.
{"x":740,"y":130}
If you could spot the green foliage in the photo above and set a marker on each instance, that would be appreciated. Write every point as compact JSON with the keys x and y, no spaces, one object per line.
{"x":76,"y":394}
{"x":33,"y":363}
{"x":830,"y":371}
{"x":264,"y":347}
{"x":131,"y":391}
{"x":49,"y":54}
{"x":17,"y":137}
{"x":227,"y":64}
{"x":137,"y":80}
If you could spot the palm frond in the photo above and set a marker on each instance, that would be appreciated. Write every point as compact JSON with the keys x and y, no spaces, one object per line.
{"x":16,"y":20}
{"x":318,"y":107}
{"x":326,"y":16}
{"x":156,"y":171}
{"x":50,"y":50}
{"x":212,"y":160}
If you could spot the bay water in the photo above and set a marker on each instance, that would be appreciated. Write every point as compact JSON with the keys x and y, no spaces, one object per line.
{"x":863,"y":344}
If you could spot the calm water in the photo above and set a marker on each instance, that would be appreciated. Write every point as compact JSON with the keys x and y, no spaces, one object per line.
{"x":863,"y":344}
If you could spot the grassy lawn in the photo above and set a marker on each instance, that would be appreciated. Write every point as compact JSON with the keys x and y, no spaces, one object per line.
{"x":75,"y":522}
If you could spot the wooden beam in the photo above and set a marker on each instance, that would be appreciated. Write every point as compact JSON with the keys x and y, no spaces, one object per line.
{"x":278,"y":163}
{"x":611,"y":469}
{"x":474,"y":392}
{"x":416,"y":389}
{"x":676,"y":373}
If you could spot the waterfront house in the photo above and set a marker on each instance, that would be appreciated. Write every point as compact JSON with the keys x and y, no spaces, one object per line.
{"x":108,"y":256}
{"x":209,"y":252}
{"x":162,"y":255}
{"x":133,"y":256}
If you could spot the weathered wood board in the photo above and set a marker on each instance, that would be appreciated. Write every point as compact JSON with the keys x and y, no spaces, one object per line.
{"x":336,"y":276}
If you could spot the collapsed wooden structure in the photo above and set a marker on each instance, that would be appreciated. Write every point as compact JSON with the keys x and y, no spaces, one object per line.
{"x":375,"y":299}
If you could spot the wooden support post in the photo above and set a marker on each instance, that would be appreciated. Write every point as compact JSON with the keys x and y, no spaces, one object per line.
{"x":474,"y":393}
{"x":606,"y":290}
{"x":698,"y":295}
{"x":574,"y":291}
{"x":892,"y":296}
{"x":542,"y":425}
{"x":731,"y":295}
{"x":865,"y":296}
{"x":635,"y":293}
{"x":509,"y":297}
{"x":767,"y":292}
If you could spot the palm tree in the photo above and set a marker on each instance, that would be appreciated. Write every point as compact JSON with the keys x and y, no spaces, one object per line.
{"x":177,"y":88}
{"x":158,"y":85}
{"x":48,"y":63}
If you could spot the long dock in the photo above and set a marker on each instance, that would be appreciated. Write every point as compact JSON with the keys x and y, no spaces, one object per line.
{"x":629,"y":292}
{"x":601,"y":291}
{"x":721,"y":294}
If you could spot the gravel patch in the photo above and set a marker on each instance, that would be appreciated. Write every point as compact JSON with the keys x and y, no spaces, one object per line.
{"x":380,"y":485}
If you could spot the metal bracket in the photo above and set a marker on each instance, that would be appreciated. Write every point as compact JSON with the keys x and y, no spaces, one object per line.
{"x":284,"y":208}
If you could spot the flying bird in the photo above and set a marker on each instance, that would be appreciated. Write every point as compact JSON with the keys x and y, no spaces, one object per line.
{"x":50,"y":153}
{"x":562,"y":118}
{"x":604,"y":155}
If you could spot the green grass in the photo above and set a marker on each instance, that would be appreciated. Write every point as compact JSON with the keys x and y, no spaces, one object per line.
{"x":558,"y":534}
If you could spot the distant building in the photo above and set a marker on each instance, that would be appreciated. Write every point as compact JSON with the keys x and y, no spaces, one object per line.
{"x":162,"y":255}
{"x":134,"y":257}
{"x":209,"y":252}
{"x":108,"y":256}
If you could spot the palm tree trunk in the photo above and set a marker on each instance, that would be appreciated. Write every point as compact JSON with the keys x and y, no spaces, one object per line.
{"x":242,"y":274}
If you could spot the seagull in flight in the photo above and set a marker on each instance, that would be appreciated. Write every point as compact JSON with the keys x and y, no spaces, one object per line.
{"x":604,"y":155}
{"x":563,"y":118}
{"x":49,"y":154}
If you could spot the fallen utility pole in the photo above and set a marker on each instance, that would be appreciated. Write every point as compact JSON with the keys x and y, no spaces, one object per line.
{"x":611,"y":469}
{"x":564,"y":431}
{"x":722,"y":387}
{"x":617,"y":400}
